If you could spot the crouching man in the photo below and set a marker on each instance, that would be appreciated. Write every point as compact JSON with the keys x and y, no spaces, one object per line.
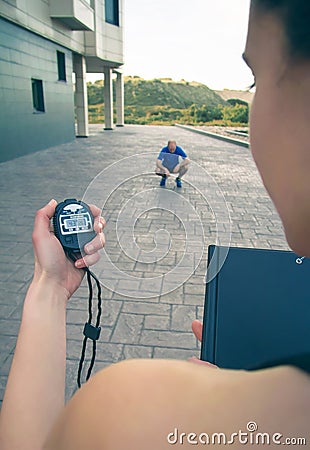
{"x":168,"y":162}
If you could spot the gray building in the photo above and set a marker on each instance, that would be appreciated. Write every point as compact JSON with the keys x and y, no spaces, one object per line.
{"x":42,"y":44}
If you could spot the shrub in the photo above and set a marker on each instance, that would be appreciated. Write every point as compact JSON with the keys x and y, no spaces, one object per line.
{"x":237,"y":113}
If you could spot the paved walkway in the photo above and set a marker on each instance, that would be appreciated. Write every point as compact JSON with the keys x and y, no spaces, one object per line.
{"x":151,"y":291}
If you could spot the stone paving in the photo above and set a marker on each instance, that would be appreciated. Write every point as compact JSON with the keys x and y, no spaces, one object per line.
{"x":137,"y":322}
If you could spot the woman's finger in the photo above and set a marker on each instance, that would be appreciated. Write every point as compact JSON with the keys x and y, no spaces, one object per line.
{"x":87,"y":260}
{"x":95,"y":210}
{"x":197,"y":329}
{"x":42,"y":219}
{"x":99,"y":224}
{"x":200,"y":361}
{"x":96,"y":244}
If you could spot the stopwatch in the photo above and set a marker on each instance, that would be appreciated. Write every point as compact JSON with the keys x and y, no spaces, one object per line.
{"x":73,"y":224}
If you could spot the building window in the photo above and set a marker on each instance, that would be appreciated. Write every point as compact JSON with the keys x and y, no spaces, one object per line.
{"x":61,"y":63}
{"x":37,"y":95}
{"x":112,"y":12}
{"x":90,"y":3}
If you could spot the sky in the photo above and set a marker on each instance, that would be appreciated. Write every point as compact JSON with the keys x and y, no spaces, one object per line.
{"x":195,"y":40}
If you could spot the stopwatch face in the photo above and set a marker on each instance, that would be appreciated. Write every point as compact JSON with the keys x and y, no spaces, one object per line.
{"x":74,"y":218}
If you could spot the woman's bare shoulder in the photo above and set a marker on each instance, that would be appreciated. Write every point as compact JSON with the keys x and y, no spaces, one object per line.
{"x":148,"y":401}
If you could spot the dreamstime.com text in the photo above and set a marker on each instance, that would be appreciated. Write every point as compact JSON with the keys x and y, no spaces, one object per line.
{"x":249,"y":437}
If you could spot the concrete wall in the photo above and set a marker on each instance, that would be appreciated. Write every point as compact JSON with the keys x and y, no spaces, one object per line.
{"x":35,"y":16}
{"x":105,"y":42}
{"x":24,"y":55}
{"x":29,"y":39}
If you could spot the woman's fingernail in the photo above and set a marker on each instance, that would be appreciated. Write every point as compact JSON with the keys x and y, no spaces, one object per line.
{"x":51,"y":202}
{"x":78,"y":264}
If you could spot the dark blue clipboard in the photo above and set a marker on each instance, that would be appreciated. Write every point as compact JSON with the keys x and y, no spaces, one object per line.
{"x":257,"y":309}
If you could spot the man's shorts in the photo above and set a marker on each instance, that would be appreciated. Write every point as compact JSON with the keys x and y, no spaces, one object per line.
{"x":169,"y":168}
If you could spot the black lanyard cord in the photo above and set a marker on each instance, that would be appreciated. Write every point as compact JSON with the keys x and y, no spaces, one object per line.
{"x":90,"y":331}
{"x":90,"y":295}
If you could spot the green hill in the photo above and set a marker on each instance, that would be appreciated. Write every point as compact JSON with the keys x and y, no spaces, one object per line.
{"x":165,"y":92}
{"x":161,"y":101}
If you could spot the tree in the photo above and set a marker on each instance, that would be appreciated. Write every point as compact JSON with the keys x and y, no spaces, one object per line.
{"x":237,"y":113}
{"x":208,"y":113}
{"x":95,"y":92}
{"x":237,"y":101}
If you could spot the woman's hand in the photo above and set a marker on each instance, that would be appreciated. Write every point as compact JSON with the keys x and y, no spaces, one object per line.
{"x":51,"y":264}
{"x":197,"y":330}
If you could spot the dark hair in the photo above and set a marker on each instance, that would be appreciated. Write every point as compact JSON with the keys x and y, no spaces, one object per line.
{"x":295,"y":15}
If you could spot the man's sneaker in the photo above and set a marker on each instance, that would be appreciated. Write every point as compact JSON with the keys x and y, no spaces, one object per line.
{"x":178,"y":182}
{"x":163,"y":181}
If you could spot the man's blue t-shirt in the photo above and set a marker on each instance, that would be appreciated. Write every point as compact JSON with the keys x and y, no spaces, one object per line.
{"x":170,"y":160}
